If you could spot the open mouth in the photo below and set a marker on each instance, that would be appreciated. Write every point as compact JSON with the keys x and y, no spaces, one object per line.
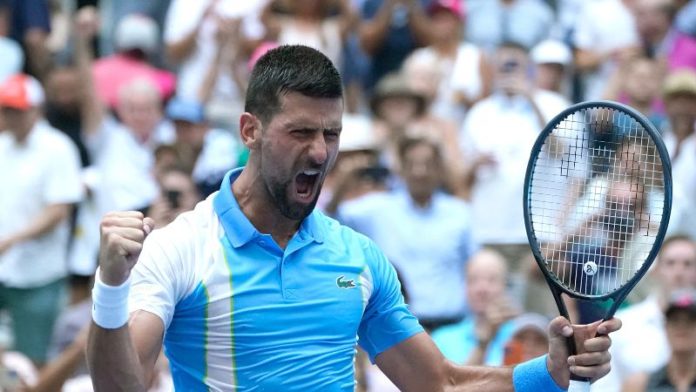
{"x":305,"y":184}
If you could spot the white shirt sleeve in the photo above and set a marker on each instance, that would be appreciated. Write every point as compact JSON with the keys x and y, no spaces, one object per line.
{"x":160,"y":278}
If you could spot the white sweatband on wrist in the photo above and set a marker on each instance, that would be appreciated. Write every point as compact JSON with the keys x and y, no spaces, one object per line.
{"x":110,"y":303}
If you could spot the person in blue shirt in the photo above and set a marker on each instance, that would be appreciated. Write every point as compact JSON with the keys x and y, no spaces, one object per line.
{"x":480,"y":338}
{"x":255,"y":290}
{"x":409,"y":224}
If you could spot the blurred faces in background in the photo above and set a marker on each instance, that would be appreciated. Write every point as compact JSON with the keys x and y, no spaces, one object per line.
{"x":552,"y":60}
{"x":139,"y":108}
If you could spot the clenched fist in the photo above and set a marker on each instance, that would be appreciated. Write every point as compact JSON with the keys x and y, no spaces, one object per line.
{"x":122,"y":237}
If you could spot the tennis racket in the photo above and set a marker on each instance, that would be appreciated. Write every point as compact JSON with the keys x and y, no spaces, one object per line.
{"x":597,"y":201}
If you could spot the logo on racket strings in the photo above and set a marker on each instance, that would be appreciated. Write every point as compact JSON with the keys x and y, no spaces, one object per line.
{"x":590,"y":268}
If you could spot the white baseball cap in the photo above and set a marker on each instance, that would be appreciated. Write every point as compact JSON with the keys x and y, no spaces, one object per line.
{"x":357,"y":134}
{"x":551,"y":52}
{"x":136,"y":31}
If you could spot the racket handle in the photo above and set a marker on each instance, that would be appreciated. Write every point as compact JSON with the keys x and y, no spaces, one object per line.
{"x":579,"y":386}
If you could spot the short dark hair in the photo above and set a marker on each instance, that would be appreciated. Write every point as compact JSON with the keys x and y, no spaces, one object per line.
{"x":290,"y":68}
{"x":407,"y":143}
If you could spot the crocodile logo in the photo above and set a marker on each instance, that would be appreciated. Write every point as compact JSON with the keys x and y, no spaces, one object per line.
{"x":345,"y":284}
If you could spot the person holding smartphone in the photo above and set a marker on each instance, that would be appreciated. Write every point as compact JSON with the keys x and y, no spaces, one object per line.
{"x":177,"y":194}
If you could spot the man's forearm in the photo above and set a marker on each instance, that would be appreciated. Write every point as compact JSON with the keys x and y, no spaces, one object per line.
{"x":478,"y":378}
{"x":48,"y":219}
{"x":420,"y":25}
{"x":112,"y":360}
{"x":56,"y":372}
{"x":530,"y":376}
{"x":373,"y":32}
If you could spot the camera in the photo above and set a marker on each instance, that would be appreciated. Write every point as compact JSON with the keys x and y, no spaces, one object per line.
{"x":173,"y":197}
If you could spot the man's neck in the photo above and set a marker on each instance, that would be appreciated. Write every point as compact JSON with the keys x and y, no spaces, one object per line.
{"x":682,"y":368}
{"x":422,"y":201}
{"x":255,"y":203}
{"x":22,"y":136}
{"x":447,"y":48}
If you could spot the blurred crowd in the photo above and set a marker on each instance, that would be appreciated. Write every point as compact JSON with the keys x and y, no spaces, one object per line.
{"x":133,"y":105}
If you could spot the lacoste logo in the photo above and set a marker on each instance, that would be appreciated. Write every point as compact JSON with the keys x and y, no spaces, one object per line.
{"x":344,"y":284}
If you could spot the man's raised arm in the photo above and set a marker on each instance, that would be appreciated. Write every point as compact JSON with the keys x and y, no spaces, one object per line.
{"x":121,"y":354}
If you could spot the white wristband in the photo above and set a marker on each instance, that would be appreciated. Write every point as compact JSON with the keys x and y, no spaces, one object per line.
{"x":110,"y":303}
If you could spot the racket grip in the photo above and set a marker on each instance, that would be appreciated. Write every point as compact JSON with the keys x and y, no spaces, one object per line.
{"x":579,"y":386}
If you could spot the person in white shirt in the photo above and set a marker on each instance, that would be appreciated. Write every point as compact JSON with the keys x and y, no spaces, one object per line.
{"x":604,"y":34}
{"x":553,"y":61}
{"x":190,"y":42}
{"x":496,"y":138}
{"x":204,"y":152}
{"x":462,"y":72}
{"x":679,"y":92}
{"x":674,"y":269}
{"x":124,"y":151}
{"x":39,"y":185}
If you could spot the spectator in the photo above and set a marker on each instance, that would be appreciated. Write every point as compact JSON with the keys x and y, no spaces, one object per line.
{"x":462,"y":71}
{"x":604,"y":36}
{"x":205,"y":153}
{"x":422,"y":76}
{"x":125,"y":150}
{"x":229,"y":59}
{"x":390,"y":30}
{"x":552,"y":60}
{"x":529,"y":339}
{"x":494,"y":22}
{"x":17,"y":372}
{"x":74,"y":108}
{"x":395,"y":105}
{"x":679,"y":93}
{"x":637,"y":83}
{"x":39,"y":184}
{"x":177,"y":194}
{"x":675,"y":269}
{"x":679,"y":374}
{"x":409,"y":224}
{"x":136,"y":40}
{"x":357,"y":170}
{"x":72,"y":320}
{"x":481,"y":337}
{"x":320,"y":24}
{"x":114,"y":11}
{"x":660,"y":38}
{"x":496,"y":138}
{"x":28,"y":23}
{"x":190,"y":43}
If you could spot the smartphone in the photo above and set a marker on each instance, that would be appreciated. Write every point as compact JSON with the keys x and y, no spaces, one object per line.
{"x":374,"y":173}
{"x":174,"y":198}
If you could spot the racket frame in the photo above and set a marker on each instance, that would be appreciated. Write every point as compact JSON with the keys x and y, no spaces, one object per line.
{"x":617,"y":296}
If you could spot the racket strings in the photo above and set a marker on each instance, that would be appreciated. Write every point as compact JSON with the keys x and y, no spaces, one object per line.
{"x":596,"y":199}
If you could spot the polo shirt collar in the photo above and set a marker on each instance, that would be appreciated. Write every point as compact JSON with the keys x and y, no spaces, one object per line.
{"x":239,"y":230}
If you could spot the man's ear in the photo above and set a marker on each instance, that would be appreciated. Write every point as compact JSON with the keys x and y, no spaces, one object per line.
{"x":250,"y":130}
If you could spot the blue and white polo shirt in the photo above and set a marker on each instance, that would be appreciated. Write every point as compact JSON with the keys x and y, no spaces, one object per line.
{"x":242,"y":314}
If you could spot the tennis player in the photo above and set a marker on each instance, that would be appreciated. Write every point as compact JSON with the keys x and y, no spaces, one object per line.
{"x":255,"y":290}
